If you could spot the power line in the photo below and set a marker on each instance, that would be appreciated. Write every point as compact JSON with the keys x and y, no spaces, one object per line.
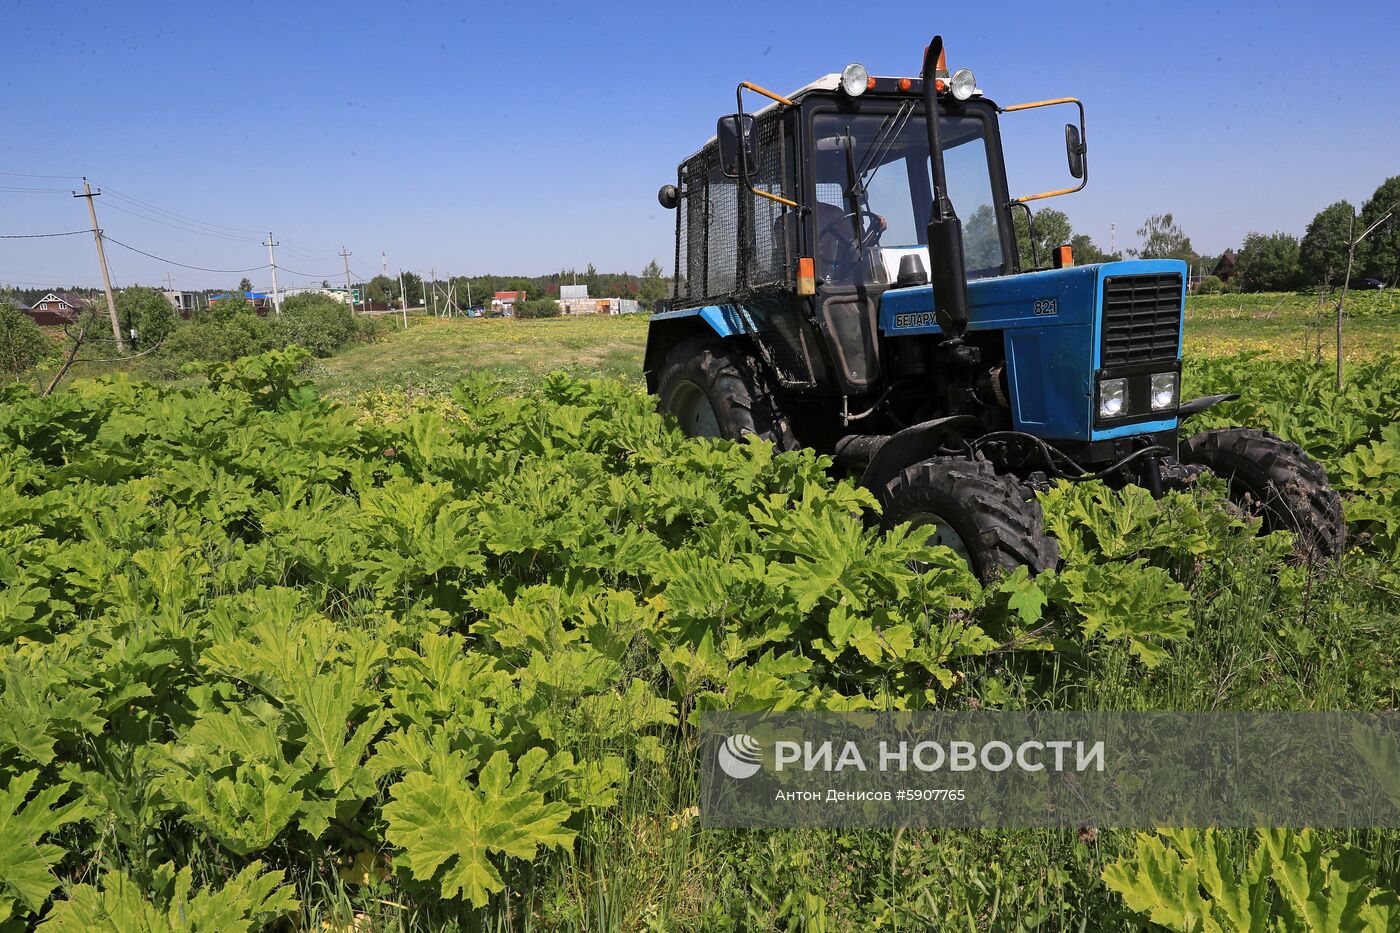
{"x":306,"y":275}
{"x":181,"y":227}
{"x":38,"y":236}
{"x":21,"y":190}
{"x":178,"y":216}
{"x":172,"y":262}
{"x":29,"y":175}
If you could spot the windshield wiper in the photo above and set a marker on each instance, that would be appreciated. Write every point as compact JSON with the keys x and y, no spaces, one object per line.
{"x":880,"y":146}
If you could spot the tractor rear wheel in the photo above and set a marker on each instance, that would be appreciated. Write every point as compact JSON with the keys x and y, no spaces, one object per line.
{"x":992,"y":521}
{"x":1275,"y":480}
{"x":715,"y":389}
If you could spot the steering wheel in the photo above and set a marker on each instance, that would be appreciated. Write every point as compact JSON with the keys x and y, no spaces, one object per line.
{"x":874,"y":229}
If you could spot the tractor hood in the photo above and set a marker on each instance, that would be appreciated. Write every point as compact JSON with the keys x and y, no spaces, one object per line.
{"x":1053,"y":325}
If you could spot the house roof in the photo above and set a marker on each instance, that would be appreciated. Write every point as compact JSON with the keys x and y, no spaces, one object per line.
{"x":71,"y":300}
{"x":12,"y":300}
{"x":511,"y":296}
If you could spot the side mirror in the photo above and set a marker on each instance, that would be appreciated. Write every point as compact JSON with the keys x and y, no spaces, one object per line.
{"x":669,"y":196}
{"x":1074,"y":150}
{"x":737,"y":140}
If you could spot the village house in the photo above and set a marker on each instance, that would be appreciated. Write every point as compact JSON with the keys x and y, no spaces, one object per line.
{"x":58,"y":308}
{"x":505,"y":302}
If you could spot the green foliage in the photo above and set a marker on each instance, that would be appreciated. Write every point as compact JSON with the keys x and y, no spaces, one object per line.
{"x":22,"y":343}
{"x":1087,"y":252}
{"x":654,"y":285}
{"x":536,"y":308}
{"x":26,"y":861}
{"x":1322,"y":255}
{"x":241,"y":626}
{"x":1381,"y":250}
{"x":149,"y":312}
{"x":224,"y":333}
{"x":1197,"y":880}
{"x":1352,"y":433}
{"x":1268,"y":263}
{"x":1210,"y":285}
{"x":1051,"y":229}
{"x":252,"y":900}
{"x":320,"y":324}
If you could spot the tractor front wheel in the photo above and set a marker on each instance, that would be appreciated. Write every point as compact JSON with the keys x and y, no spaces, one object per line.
{"x":1275,"y":480}
{"x":992,"y":521}
{"x":714,"y":389}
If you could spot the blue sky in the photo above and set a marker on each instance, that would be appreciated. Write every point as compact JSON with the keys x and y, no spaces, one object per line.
{"x":521,"y":138}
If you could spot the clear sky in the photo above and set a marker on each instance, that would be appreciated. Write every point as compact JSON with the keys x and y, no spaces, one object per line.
{"x":522,"y":138}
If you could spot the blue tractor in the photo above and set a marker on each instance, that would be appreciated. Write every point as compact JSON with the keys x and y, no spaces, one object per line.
{"x":828,"y":295}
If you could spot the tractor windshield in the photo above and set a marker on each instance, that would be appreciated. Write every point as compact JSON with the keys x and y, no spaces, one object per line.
{"x":874,"y":192}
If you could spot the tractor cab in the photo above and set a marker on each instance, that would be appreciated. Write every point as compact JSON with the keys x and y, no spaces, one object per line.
{"x":847,"y":279}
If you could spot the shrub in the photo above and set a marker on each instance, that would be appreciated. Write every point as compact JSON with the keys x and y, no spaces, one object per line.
{"x":320,"y":324}
{"x":216,"y":337}
{"x":1210,"y":285}
{"x":147,"y":310}
{"x":22,"y":343}
{"x":537,"y":308}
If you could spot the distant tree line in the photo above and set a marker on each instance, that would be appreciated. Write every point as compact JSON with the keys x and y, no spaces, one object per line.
{"x":1264,"y":262}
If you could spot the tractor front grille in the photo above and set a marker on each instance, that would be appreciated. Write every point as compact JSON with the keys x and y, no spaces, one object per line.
{"x":1141,"y":319}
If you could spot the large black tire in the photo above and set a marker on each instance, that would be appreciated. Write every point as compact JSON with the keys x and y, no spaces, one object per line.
{"x":1277,"y":481}
{"x":997,"y":522}
{"x":715,"y":389}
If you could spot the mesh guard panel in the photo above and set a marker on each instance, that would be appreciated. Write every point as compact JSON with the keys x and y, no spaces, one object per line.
{"x":729,"y":247}
{"x":734,"y":250}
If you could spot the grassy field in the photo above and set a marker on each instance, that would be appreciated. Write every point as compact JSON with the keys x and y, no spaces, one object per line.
{"x":432,"y":355}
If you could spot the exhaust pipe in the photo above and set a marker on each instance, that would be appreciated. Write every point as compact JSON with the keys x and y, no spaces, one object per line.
{"x":945,"y":244}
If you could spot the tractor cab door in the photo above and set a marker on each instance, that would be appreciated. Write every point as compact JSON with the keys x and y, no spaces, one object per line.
{"x":870,"y":195}
{"x":869,"y":184}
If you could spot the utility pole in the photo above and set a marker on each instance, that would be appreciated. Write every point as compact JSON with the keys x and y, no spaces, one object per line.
{"x":403,"y":300}
{"x":383,"y":264}
{"x":102,"y":261}
{"x":272,"y":261}
{"x":349,"y":292}
{"x":1112,"y":239}
{"x":169,"y":282}
{"x":432,"y":275}
{"x":469,"y":297}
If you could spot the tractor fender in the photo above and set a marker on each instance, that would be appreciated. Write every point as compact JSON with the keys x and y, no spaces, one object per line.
{"x":669,"y":328}
{"x":916,"y":442}
{"x":1198,"y":405}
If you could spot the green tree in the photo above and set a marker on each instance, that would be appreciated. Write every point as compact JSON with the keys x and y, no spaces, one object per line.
{"x":381,"y":289}
{"x":245,"y":285}
{"x":1052,"y":229}
{"x":1163,"y":239}
{"x":1322,"y":255}
{"x":412,"y":290}
{"x":1378,"y":256}
{"x":22,"y":343}
{"x":1268,"y":263}
{"x":1087,"y":252}
{"x":654,"y":286}
{"x":148,"y":311}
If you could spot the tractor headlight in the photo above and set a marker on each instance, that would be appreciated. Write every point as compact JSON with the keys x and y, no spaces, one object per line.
{"x":1163,"y":391}
{"x":854,"y":80}
{"x":962,"y":84}
{"x":1113,"y":397}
